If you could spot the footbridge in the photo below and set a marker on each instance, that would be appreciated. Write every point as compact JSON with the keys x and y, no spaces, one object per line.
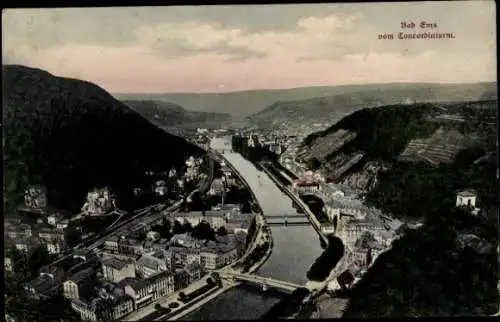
{"x":264,"y":282}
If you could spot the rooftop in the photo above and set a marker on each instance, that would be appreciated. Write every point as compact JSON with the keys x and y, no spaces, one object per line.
{"x":82,"y":275}
{"x":115,"y":263}
{"x":467,"y":193}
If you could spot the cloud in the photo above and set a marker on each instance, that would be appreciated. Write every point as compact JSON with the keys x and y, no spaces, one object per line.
{"x":313,"y":37}
{"x":173,"y":41}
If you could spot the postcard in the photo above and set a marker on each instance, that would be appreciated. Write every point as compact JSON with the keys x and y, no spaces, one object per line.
{"x":303,"y":161}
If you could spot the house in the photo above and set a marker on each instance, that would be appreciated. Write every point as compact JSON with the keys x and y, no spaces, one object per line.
{"x":21,"y":244}
{"x":54,"y":219}
{"x":130,"y":247}
{"x":111,"y":245}
{"x":139,"y":290}
{"x":162,"y":284}
{"x":73,"y":286}
{"x":216,"y":188}
{"x":185,"y":240}
{"x":148,"y":265}
{"x":362,"y":257}
{"x":7,"y":264}
{"x":153,"y":235}
{"x":99,"y":201}
{"x":55,"y":247}
{"x":115,"y":269}
{"x":181,"y":279}
{"x":194,"y":270}
{"x":63,"y":224}
{"x":47,"y":234}
{"x":215,"y":255}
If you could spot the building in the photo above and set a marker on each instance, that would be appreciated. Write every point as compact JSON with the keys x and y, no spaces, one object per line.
{"x":55,"y":247}
{"x":181,"y":279}
{"x":160,"y":188}
{"x":362,"y":257}
{"x":35,"y":197}
{"x":466,"y":198}
{"x":216,"y":255}
{"x":47,"y":284}
{"x":148,"y":265}
{"x":216,"y":188}
{"x":144,"y":291}
{"x":115,"y":269}
{"x":111,"y":245}
{"x":54,"y":219}
{"x":130,"y":247}
{"x":185,"y":240}
{"x":74,"y":285}
{"x":8,"y":266}
{"x":185,"y":255}
{"x":110,"y":304}
{"x":306,"y":187}
{"x":99,"y":201}
{"x":153,"y":235}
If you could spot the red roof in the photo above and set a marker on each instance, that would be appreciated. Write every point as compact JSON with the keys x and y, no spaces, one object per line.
{"x":308,"y":184}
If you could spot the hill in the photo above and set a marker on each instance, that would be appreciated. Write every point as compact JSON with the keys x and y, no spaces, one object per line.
{"x":334,"y":107}
{"x":167,"y":114}
{"x":71,"y":135}
{"x":449,"y":266}
{"x":245,"y":103}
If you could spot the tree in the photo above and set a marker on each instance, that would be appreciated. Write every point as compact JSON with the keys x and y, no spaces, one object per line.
{"x":203,"y":231}
{"x":178,"y":228}
{"x":222,"y":231}
{"x":187,"y":227}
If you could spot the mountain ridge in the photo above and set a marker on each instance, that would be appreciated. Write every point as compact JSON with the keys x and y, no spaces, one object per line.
{"x":241,"y":104}
{"x":72,"y":135}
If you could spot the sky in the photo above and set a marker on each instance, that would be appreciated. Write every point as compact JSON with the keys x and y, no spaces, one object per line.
{"x":245,"y":47}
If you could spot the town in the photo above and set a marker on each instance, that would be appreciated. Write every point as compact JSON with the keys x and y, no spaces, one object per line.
{"x":143,"y":266}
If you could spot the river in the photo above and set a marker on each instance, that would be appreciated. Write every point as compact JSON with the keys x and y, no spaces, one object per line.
{"x":295,"y":248}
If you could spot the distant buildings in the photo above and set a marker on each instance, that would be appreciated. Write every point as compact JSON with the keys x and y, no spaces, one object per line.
{"x":35,"y":197}
{"x":99,"y":201}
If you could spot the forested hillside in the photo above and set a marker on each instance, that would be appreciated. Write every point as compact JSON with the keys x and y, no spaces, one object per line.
{"x":71,"y":135}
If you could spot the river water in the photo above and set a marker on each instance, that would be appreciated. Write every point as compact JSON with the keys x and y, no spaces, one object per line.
{"x":294,"y":251}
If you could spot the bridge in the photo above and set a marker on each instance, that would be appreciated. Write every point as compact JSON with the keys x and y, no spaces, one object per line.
{"x":309,"y":214}
{"x":288,"y":221}
{"x":264,"y":282}
{"x":290,"y":216}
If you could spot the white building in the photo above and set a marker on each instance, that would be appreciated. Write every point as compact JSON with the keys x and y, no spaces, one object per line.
{"x":216,"y":255}
{"x":54,"y":219}
{"x":7,"y":264}
{"x":99,"y":201}
{"x":115,"y":269}
{"x":466,"y":198}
